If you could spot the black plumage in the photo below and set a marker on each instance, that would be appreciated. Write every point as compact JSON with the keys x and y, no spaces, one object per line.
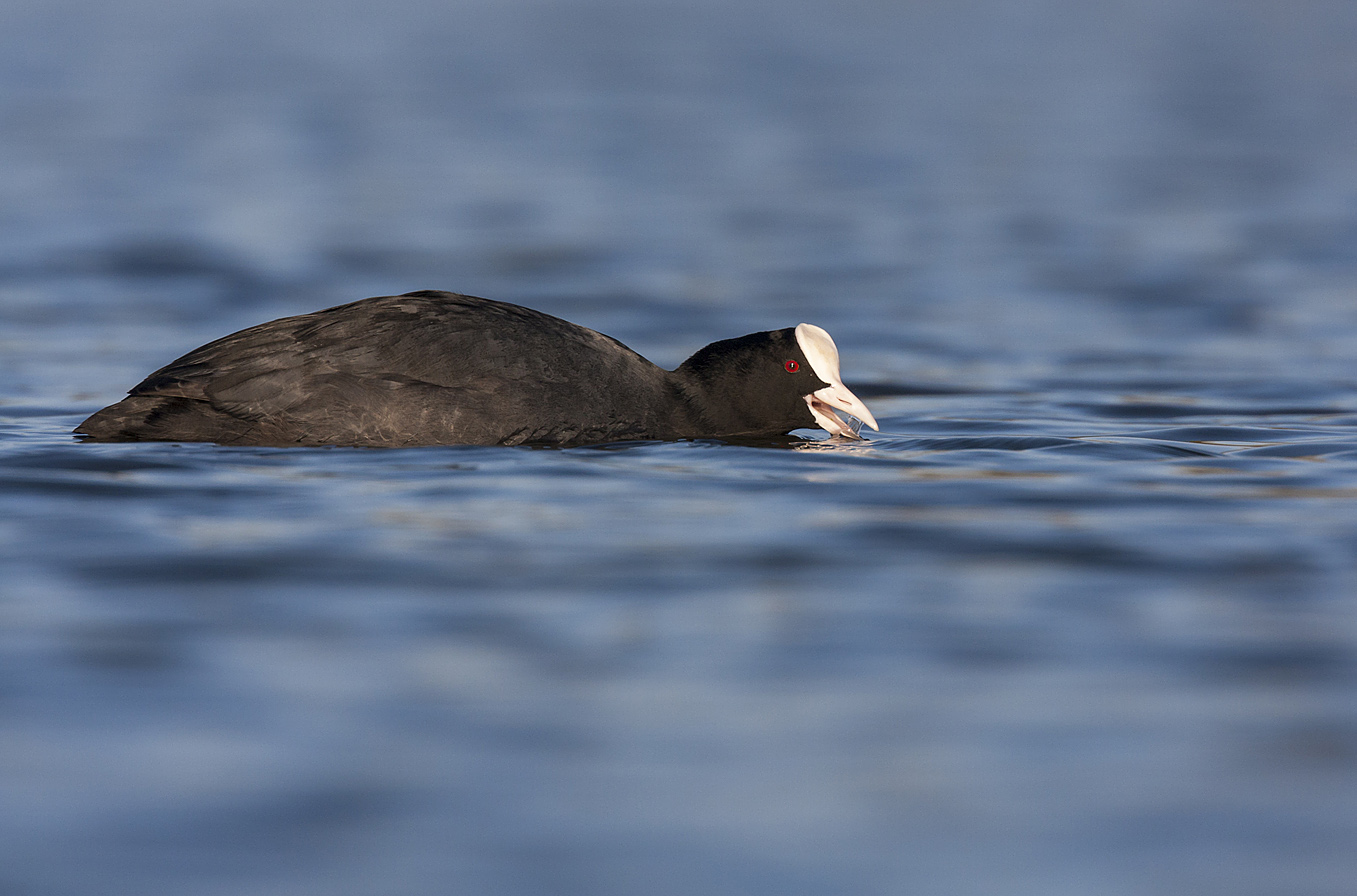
{"x":437,"y":368}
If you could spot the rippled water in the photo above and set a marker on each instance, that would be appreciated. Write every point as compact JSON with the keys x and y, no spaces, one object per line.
{"x":1080,"y":619}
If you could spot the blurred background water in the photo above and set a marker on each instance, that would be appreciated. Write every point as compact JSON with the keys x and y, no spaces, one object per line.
{"x":1079,"y":620}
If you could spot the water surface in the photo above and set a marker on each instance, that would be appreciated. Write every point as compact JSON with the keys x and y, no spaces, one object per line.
{"x":1080,"y":619}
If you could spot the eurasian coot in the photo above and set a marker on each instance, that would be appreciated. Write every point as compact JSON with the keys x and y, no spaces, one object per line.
{"x":437,"y":368}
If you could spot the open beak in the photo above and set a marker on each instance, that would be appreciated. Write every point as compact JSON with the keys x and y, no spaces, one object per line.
{"x":823,"y":356}
{"x":837,"y":397}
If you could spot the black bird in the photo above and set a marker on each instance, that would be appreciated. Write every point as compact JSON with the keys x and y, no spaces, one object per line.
{"x":437,"y":368}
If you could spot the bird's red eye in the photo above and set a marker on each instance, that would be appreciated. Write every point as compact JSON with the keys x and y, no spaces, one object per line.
{"x":791,"y":366}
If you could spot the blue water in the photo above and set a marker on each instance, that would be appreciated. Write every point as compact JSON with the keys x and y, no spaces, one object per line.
{"x":1080,"y":619}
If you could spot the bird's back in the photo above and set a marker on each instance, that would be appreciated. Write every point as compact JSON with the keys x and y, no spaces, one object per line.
{"x":417,"y":369}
